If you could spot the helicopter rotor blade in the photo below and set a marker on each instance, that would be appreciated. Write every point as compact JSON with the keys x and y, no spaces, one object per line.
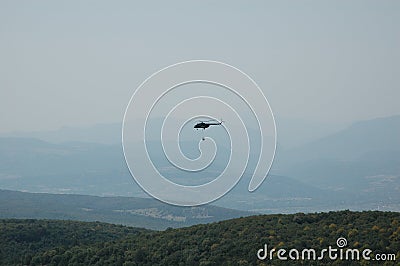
{"x":205,"y":121}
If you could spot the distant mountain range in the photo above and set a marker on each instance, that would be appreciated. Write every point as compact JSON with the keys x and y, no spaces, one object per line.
{"x":100,"y":133}
{"x":292,"y":132}
{"x":353,"y":142}
{"x":137,"y":212}
{"x":363,"y":157}
{"x":357,"y":168}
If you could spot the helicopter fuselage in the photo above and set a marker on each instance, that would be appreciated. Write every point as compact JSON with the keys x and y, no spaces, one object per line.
{"x":205,"y":125}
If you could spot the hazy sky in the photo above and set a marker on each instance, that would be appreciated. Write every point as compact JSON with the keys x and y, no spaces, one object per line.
{"x":72,"y":63}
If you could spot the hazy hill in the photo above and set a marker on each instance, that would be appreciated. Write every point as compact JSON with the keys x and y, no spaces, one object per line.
{"x":98,"y":169}
{"x":357,"y":168}
{"x":364,"y":158}
{"x":85,"y":168}
{"x":232,"y":242}
{"x":376,"y":135}
{"x":138,"y":212}
{"x":101,"y":133}
{"x":110,"y":133}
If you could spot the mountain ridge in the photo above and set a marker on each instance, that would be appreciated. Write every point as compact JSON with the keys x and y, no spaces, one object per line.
{"x":139,"y":212}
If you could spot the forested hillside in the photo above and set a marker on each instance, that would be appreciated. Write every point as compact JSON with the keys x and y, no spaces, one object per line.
{"x":21,"y":239}
{"x":231,"y":242}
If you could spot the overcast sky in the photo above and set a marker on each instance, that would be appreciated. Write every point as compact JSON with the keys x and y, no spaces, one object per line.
{"x":74,"y":63}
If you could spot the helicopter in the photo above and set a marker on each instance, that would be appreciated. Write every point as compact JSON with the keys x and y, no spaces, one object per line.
{"x":206,"y":124}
